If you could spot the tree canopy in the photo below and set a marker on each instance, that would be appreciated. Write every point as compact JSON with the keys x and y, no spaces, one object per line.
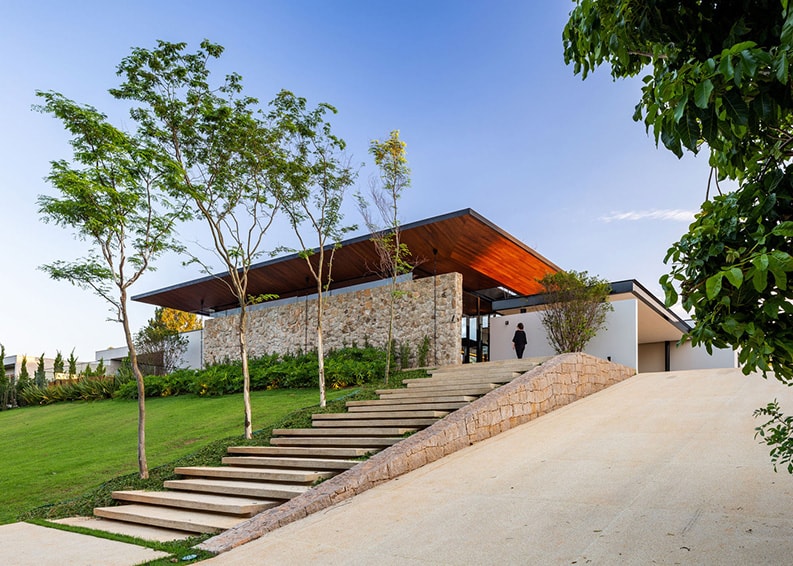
{"x":716,"y":76}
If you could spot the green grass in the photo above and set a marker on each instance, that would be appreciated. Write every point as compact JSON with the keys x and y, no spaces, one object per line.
{"x":62,"y":451}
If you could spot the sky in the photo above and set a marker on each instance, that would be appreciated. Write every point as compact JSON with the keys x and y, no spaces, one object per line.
{"x":493,"y":120}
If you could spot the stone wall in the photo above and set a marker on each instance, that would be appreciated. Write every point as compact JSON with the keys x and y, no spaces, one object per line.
{"x":554,"y":384}
{"x":430,"y":307}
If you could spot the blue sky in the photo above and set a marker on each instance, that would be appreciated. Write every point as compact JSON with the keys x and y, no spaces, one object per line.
{"x":493,"y":119}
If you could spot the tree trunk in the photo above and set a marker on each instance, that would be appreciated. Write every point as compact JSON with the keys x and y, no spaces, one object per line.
{"x":143,"y":466}
{"x":320,"y":350}
{"x":390,"y":331}
{"x":246,"y":375}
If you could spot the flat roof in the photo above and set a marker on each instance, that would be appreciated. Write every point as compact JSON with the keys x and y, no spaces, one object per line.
{"x":463,"y":241}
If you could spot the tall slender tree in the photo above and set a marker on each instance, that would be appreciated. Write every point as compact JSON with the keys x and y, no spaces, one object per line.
{"x":57,"y":364}
{"x":72,"y":362}
{"x":40,"y":375}
{"x":112,"y":196}
{"x":226,"y":156}
{"x":385,"y":190}
{"x":316,"y":178}
{"x":5,"y":384}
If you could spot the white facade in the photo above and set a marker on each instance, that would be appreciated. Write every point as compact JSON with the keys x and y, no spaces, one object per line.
{"x":616,"y":342}
{"x":637,"y":334}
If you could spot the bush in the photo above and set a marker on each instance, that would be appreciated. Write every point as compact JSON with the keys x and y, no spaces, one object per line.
{"x":343,"y":368}
{"x":85,"y":389}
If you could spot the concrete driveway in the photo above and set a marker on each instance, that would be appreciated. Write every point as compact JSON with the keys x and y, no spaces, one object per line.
{"x":659,"y":469}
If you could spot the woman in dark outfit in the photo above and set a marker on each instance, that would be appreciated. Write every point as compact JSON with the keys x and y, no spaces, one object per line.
{"x":519,"y":341}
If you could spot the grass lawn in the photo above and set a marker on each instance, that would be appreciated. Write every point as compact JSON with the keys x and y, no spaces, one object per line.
{"x":57,"y":452}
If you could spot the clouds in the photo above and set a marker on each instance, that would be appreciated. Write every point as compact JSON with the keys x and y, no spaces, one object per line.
{"x":672,"y":215}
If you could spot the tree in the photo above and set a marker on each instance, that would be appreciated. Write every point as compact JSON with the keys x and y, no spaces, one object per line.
{"x":23,"y":381}
{"x":225,"y":155}
{"x":72,"y":361}
{"x":40,"y":376}
{"x":57,"y":364}
{"x":575,"y":310}
{"x":159,"y":345}
{"x":315,"y":182}
{"x":719,"y":78}
{"x":113,"y":196}
{"x":5,"y":385}
{"x":179,"y":321}
{"x":385,"y":191}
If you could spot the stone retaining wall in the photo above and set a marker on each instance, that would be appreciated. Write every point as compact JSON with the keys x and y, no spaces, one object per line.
{"x":431,"y":307}
{"x":554,"y":384}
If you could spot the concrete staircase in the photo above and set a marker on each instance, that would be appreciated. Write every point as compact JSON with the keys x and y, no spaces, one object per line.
{"x":255,"y":478}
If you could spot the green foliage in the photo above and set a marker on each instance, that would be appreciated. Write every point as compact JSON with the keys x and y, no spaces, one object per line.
{"x":57,"y":364}
{"x":72,"y":361}
{"x":83,"y":389}
{"x":23,"y":381}
{"x":225,"y":156}
{"x":423,"y":352}
{"x":777,"y":432}
{"x":575,"y":310}
{"x":23,"y":369}
{"x":719,"y":71}
{"x":390,"y":157}
{"x":345,"y":367}
{"x":5,"y":384}
{"x":40,"y":376}
{"x":734,"y":271}
{"x":404,"y":355}
{"x":315,"y":180}
{"x":720,"y":77}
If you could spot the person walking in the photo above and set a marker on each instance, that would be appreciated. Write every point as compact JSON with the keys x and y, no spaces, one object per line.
{"x":519,"y":341}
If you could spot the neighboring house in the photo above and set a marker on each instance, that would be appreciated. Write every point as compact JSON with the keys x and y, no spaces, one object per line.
{"x":470,"y":282}
{"x":13,"y":366}
{"x":114,"y":357}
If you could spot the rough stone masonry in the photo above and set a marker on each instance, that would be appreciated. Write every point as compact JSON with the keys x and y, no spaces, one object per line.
{"x":428,"y":307}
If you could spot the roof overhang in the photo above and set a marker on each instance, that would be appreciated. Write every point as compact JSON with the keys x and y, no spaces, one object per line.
{"x":656,"y":322}
{"x":465,"y":242}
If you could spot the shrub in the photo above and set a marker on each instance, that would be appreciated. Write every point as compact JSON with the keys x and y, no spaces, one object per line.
{"x":423,"y":352}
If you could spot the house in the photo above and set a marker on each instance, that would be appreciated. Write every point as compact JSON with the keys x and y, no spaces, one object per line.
{"x":471,"y":280}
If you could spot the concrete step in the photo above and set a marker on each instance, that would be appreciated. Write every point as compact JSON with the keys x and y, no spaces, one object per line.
{"x":319,"y":417}
{"x":459,"y":380}
{"x":364,"y":423}
{"x":241,"y":506}
{"x":379,"y":405}
{"x":430,"y":392}
{"x":169,"y":518}
{"x":297,"y":452}
{"x":346,"y":431}
{"x":336,"y":441}
{"x":534,"y":360}
{"x":257,"y":474}
{"x":435,"y":399}
{"x":299,"y":463}
{"x":238,"y":488}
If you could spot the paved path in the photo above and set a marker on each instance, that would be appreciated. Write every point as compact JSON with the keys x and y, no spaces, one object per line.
{"x":22,"y":544}
{"x":660,"y":469}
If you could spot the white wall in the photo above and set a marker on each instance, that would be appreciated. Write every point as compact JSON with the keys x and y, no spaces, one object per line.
{"x":618,"y":340}
{"x":688,"y":357}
